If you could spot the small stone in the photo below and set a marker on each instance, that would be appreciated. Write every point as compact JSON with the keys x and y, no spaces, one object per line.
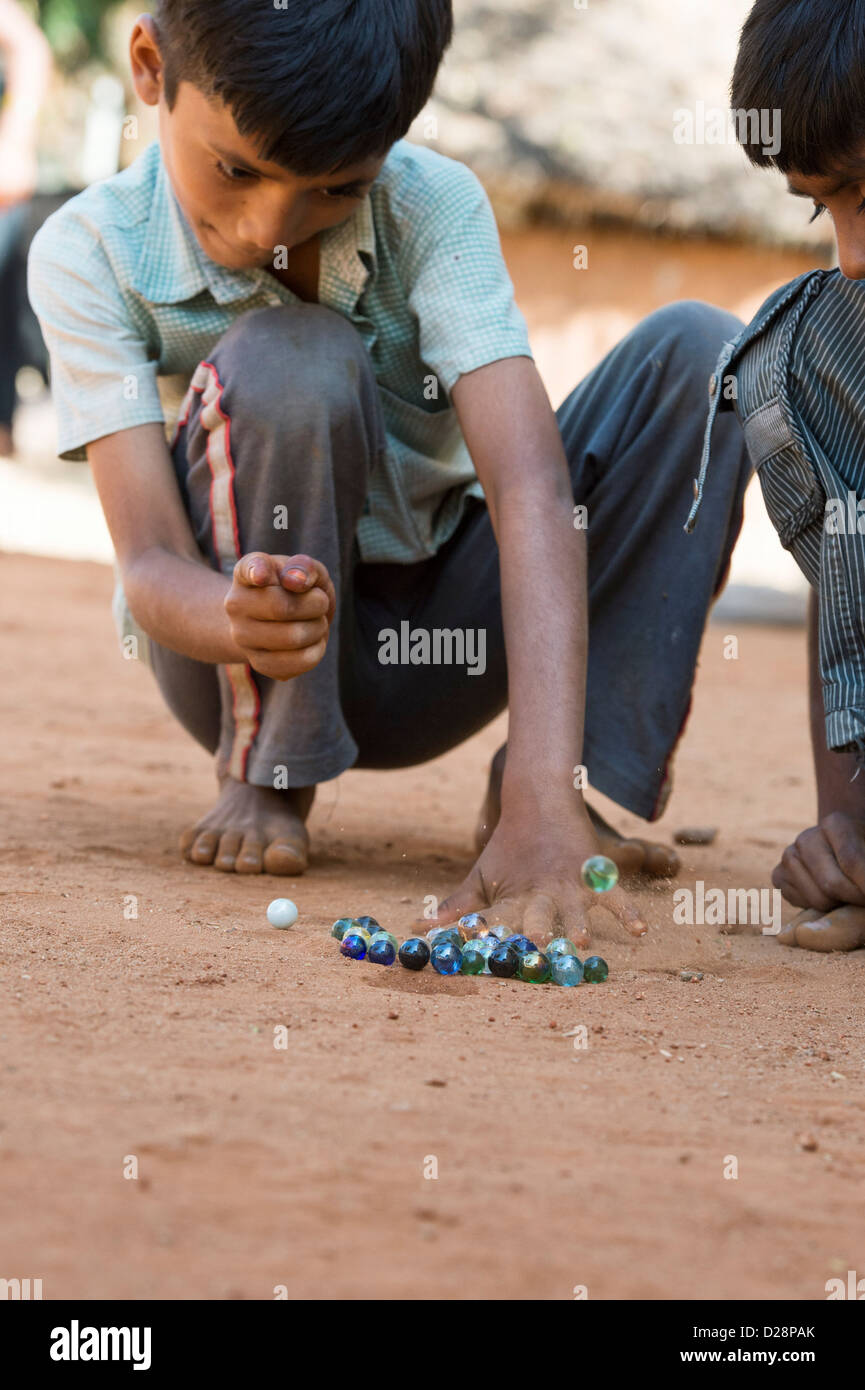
{"x":392,"y":1014}
{"x":696,"y":835}
{"x":435,"y":1082}
{"x":282,"y":913}
{"x":690,"y":977}
{"x":599,"y":873}
{"x":808,"y":1143}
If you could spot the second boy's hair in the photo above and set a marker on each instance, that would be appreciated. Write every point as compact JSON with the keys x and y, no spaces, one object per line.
{"x":316,"y":85}
{"x":806,"y":59}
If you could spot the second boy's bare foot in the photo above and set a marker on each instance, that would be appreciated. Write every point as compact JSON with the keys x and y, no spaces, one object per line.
{"x":842,"y":929}
{"x":252,"y":830}
{"x":631,"y":856}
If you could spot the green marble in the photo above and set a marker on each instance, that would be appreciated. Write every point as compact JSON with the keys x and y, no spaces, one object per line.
{"x":342,"y":925}
{"x":599,"y":873}
{"x":595,"y":970}
{"x":534,"y":968}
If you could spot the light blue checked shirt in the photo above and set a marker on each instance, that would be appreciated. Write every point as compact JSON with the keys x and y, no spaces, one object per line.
{"x":129,"y":305}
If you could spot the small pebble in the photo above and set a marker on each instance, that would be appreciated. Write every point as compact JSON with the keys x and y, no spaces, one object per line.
{"x":696,"y":835}
{"x":690,"y":977}
{"x":808,"y":1143}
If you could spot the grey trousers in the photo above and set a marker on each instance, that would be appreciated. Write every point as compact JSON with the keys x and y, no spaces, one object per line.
{"x":285,"y":415}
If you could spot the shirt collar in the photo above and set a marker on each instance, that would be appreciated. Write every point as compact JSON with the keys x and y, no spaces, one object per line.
{"x":173,"y":267}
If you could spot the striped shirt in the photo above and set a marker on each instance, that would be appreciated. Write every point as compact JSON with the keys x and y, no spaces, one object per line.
{"x":129,"y":305}
{"x":800,"y":396}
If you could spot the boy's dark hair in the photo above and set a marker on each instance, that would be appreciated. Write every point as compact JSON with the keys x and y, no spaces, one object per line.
{"x":316,"y":85}
{"x":806,"y":59}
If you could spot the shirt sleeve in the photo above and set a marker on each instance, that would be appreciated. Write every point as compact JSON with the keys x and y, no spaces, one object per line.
{"x":102,"y":377}
{"x":458,"y":284}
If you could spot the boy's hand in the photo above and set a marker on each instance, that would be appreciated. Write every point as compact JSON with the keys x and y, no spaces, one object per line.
{"x":825,"y":866}
{"x":531,"y":877}
{"x":280,"y":609}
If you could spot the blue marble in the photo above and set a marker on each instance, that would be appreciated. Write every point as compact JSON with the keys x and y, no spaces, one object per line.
{"x":353,"y":945}
{"x":446,"y":958}
{"x":560,"y":946}
{"x":414,"y":954}
{"x":520,"y":944}
{"x":566,"y":970}
{"x":369,"y":922}
{"x":382,"y":950}
{"x":500,"y":933}
{"x":440,"y":936}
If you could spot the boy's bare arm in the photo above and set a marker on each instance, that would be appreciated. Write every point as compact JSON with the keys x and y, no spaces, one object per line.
{"x":275,"y":612}
{"x":825,"y":865}
{"x":544,"y":833}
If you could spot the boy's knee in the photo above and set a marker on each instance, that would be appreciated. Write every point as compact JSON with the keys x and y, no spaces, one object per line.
{"x":692,"y":333}
{"x":292,"y":353}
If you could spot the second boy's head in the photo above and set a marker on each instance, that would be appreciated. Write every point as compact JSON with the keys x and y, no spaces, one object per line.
{"x":806,"y":59}
{"x":275,"y":116}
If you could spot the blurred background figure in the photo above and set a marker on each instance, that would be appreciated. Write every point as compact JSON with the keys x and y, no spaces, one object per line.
{"x":25,"y":72}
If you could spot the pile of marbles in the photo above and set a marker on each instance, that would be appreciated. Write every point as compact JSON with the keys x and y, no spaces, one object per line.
{"x":470,"y":948}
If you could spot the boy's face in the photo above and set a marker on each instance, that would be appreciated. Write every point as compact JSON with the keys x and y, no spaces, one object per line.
{"x":842,"y":196}
{"x":239,"y":207}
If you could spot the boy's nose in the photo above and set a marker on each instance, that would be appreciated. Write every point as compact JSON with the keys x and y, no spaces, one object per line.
{"x":268,"y":230}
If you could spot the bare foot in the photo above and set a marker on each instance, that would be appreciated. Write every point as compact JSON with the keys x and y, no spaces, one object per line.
{"x":630,"y":856}
{"x":842,"y":929}
{"x":252,"y":830}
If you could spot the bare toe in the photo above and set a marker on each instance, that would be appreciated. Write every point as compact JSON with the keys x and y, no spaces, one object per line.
{"x":787,"y":935}
{"x":204,"y":847}
{"x":226,"y":856}
{"x":840,"y":930}
{"x":250,"y":856}
{"x":285,"y":858}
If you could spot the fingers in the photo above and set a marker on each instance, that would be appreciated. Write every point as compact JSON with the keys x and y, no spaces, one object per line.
{"x":625,"y":911}
{"x":285,"y":666}
{"x":540,"y":919}
{"x":256,"y":570}
{"x":255,"y":636}
{"x":796,"y":883}
{"x":467,"y":898}
{"x":845,"y":837}
{"x":299,"y":573}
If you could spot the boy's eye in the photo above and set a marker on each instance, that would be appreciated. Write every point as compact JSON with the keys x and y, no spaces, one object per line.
{"x":232,"y":174}
{"x":819,"y":209}
{"x":337,"y":194}
{"x":861,"y":207}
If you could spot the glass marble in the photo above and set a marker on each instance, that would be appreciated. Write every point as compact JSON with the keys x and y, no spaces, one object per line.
{"x":595,"y":970}
{"x":500,"y":933}
{"x":440,"y":936}
{"x":282,"y":912}
{"x":534,"y":968}
{"x":353,"y":945}
{"x":560,"y":946}
{"x":382,"y":950}
{"x":473,"y":922}
{"x":485,"y":945}
{"x":385,"y":936}
{"x":341,"y":926}
{"x":504,"y":962}
{"x":473,"y":962}
{"x":599,"y":873}
{"x":566,"y":970}
{"x":361,"y":931}
{"x":520,"y":944}
{"x":446,"y":958}
{"x":414,"y":954}
{"x":369,"y":923}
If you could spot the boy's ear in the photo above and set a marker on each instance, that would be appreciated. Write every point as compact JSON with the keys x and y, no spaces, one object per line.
{"x":145,"y":60}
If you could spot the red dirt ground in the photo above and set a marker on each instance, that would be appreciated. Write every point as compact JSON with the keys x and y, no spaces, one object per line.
{"x":154,"y":1036}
